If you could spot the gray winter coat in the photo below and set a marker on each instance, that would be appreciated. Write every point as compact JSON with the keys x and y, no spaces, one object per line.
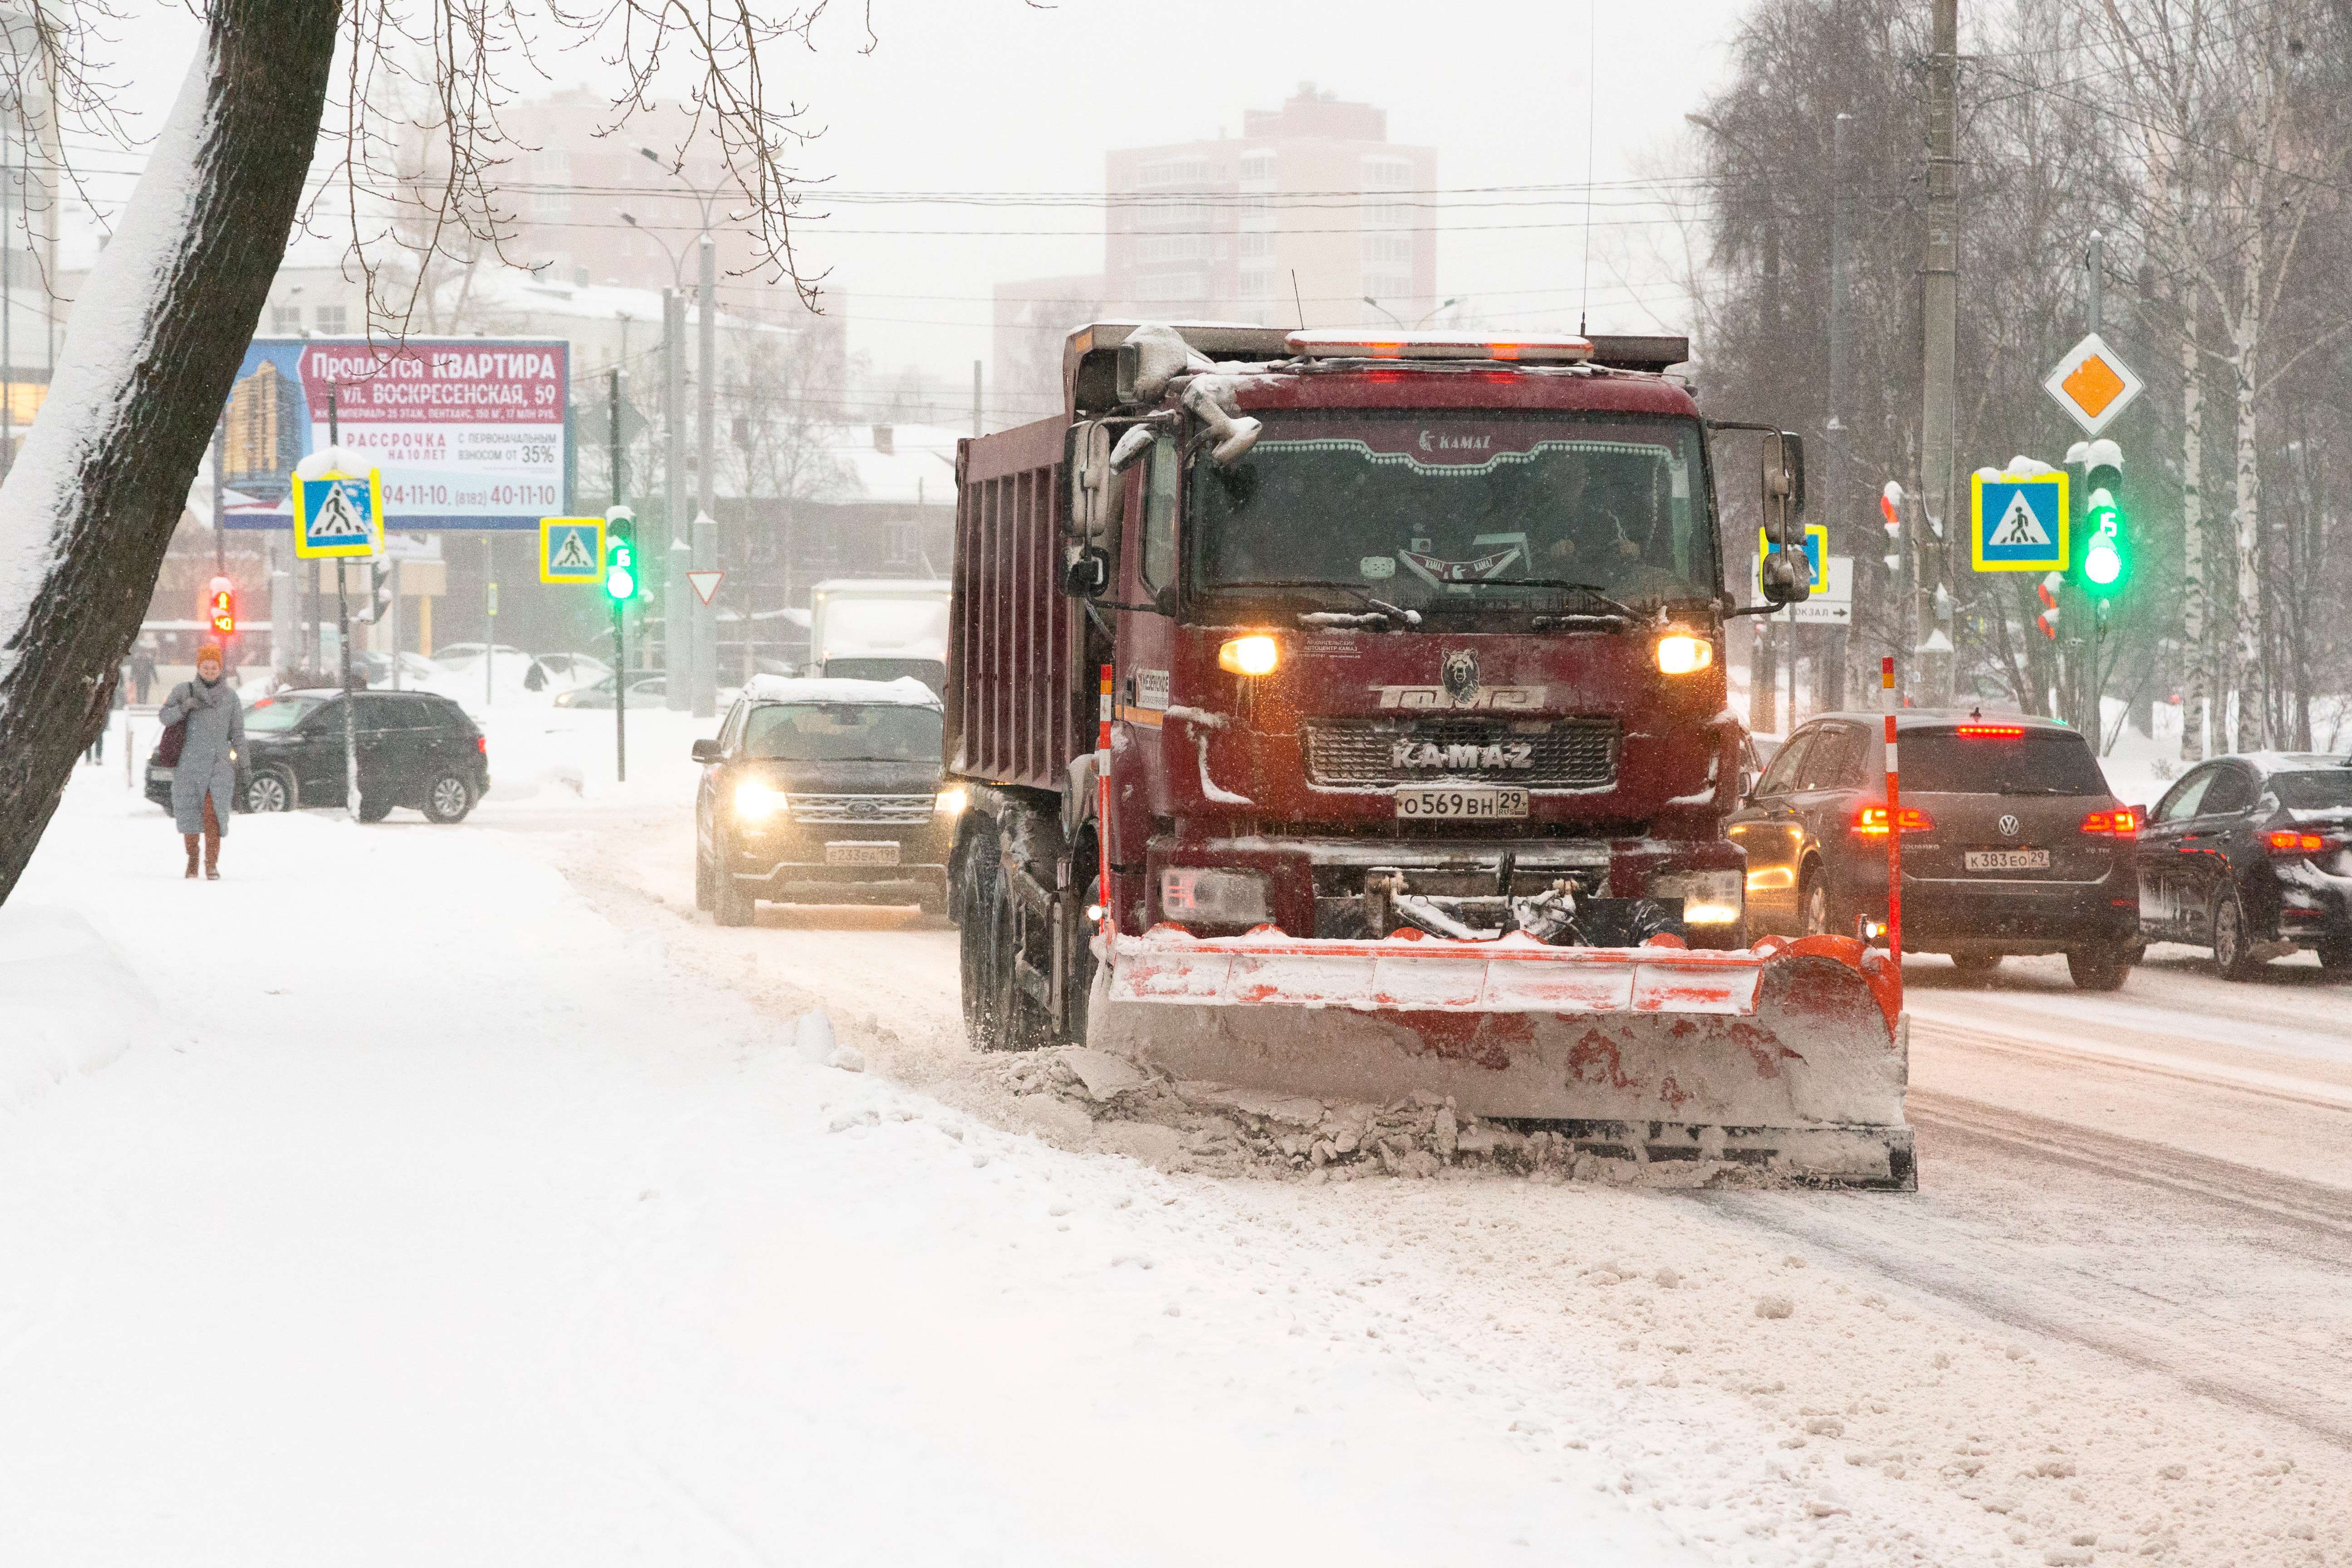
{"x":208,"y":761}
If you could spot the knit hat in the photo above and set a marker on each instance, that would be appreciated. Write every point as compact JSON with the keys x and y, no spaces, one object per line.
{"x":210,"y":650}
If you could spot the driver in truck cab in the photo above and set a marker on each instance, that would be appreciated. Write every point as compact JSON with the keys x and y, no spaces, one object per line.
{"x":1593,"y":522}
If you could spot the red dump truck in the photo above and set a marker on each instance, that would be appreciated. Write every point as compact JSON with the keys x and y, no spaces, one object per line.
{"x":1345,"y":717}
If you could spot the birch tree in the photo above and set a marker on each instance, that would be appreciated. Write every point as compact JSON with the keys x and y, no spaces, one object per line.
{"x":162,"y":324}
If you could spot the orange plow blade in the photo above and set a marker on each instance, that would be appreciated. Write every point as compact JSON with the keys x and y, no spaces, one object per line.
{"x":1789,"y":1054}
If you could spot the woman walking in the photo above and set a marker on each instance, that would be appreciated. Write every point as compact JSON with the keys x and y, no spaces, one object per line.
{"x":204,"y":778}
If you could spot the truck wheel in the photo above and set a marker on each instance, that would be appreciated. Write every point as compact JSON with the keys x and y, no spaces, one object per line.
{"x":976,"y":880}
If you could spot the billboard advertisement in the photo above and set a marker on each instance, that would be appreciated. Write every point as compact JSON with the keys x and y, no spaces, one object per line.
{"x":469,"y":432}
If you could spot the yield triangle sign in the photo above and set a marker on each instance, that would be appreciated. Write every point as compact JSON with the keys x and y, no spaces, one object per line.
{"x":705,"y":583}
{"x":2020,"y":525}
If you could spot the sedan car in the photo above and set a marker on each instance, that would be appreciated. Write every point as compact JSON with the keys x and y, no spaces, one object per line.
{"x":646,"y":688}
{"x":823,"y":787}
{"x":414,"y":748}
{"x":2013,"y":842}
{"x":2252,"y":856}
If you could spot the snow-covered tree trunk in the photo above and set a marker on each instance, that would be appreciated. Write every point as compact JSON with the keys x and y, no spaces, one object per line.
{"x":2195,"y":659}
{"x":149,"y":359}
{"x":2246,"y":520}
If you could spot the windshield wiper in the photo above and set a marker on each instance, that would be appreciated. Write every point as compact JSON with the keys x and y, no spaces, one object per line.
{"x":1383,"y":611}
{"x":1610,"y":608}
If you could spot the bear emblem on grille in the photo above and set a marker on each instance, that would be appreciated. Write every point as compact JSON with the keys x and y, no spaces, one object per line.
{"x":1460,"y":676}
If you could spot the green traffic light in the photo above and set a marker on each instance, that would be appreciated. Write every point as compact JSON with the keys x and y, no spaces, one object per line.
{"x":2103,"y":563}
{"x":620,"y":573}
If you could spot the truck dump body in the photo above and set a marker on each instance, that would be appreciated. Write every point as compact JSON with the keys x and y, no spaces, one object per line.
{"x":1012,"y":718}
{"x":1413,"y":765}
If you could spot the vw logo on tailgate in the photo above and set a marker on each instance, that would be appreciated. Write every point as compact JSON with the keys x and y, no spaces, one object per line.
{"x":2008,"y":825}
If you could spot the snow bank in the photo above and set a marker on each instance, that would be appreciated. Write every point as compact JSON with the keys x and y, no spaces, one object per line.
{"x":69,"y":1001}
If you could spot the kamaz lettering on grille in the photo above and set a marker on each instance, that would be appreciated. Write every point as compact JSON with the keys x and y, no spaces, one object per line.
{"x":1430,"y":754}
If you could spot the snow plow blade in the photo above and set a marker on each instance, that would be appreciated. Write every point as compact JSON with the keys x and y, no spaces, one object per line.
{"x":1790,"y":1055}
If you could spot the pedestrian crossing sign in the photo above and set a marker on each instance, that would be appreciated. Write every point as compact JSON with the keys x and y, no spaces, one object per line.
{"x":572,"y":550}
{"x":2017,"y":522}
{"x":339,"y":514}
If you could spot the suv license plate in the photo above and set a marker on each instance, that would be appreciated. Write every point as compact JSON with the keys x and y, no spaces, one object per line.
{"x":861,"y":853}
{"x":2007,"y":859}
{"x":1477,"y":805}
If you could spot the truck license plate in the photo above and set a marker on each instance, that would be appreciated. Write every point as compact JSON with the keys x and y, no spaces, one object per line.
{"x":861,"y":853}
{"x":2007,"y":859}
{"x":1476,"y":804}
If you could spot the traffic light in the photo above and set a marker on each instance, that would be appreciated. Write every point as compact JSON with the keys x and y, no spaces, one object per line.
{"x":1890,"y":508}
{"x":220,"y":607}
{"x":2047,"y":592}
{"x":621,"y":559}
{"x":2106,"y":558}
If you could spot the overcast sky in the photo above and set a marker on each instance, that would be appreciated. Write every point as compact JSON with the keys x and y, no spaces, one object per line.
{"x":997,"y":96}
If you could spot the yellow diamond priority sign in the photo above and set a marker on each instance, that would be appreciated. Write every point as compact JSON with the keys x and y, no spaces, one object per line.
{"x":2092,"y":383}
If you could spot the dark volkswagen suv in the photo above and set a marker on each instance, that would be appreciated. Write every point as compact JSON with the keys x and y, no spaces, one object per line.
{"x":823,"y":787}
{"x":2252,"y":856}
{"x":2012,"y":843}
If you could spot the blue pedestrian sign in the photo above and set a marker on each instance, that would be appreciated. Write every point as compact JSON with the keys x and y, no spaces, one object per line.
{"x":1817,"y":552}
{"x":2017,"y":522}
{"x":572,"y":550}
{"x":339,"y":514}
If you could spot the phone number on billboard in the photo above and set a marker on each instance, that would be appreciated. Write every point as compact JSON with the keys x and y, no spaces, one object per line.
{"x":414,"y":494}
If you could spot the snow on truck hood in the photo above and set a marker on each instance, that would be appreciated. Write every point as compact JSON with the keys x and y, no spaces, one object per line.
{"x":906,"y":691}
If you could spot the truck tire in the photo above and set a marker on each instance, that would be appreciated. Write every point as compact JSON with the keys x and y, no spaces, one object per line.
{"x":999,"y":1015}
{"x":976,"y":876}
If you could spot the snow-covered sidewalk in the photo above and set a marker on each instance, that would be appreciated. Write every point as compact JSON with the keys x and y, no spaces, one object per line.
{"x":421,"y":1216}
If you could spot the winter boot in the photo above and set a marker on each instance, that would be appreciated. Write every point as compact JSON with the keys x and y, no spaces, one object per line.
{"x":192,"y":855}
{"x":212,"y":842}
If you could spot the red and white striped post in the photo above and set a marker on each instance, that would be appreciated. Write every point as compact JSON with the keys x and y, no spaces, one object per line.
{"x":1102,"y":803}
{"x":1894,"y":832}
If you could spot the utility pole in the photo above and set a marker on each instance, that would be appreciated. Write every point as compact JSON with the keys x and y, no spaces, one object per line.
{"x":677,"y":639}
{"x":706,"y":527}
{"x":975,"y":397}
{"x":2080,"y":620}
{"x":1935,"y":667}
{"x":1829,"y":665}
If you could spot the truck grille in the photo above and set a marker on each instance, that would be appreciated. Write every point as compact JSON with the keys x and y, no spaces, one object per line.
{"x":899,"y":809}
{"x":1565,"y":754}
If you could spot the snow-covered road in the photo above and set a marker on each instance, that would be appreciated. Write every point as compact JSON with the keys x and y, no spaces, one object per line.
{"x":479,"y":1211}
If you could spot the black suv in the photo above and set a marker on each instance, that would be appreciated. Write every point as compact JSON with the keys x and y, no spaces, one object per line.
{"x":2012,"y":841}
{"x":2252,"y":856}
{"x":415,"y":749}
{"x":824,"y":787}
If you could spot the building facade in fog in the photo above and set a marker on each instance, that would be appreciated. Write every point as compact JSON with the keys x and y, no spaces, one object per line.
{"x":1307,"y":215}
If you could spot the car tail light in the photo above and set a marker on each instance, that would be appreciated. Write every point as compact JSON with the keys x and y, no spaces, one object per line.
{"x":2124,"y":824}
{"x":2289,"y":841}
{"x":482,"y":744}
{"x":1872,"y":820}
{"x":1993,"y":732}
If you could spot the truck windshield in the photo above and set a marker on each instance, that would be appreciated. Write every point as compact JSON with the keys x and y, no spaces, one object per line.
{"x":842,"y":732}
{"x":1428,"y":508}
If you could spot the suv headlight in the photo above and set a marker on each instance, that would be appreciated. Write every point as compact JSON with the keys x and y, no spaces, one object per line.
{"x":1709,"y":898}
{"x":1199,"y":896}
{"x":755,"y":802}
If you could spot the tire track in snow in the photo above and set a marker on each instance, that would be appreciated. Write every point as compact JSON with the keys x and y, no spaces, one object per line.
{"x":1950,"y":1250}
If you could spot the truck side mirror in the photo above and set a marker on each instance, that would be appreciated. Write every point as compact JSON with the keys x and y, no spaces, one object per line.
{"x":1132,"y":447}
{"x":1086,"y":461}
{"x":1786,"y":574}
{"x":1087,"y":575}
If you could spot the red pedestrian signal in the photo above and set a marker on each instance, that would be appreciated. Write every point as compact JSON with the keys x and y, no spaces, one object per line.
{"x":220,"y":607}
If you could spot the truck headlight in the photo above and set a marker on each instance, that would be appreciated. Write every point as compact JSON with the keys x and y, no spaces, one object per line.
{"x":1709,"y":898}
{"x":1214,"y":898}
{"x":1257,"y":654}
{"x":1680,"y":653}
{"x":755,"y":802}
{"x":952,"y":801}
